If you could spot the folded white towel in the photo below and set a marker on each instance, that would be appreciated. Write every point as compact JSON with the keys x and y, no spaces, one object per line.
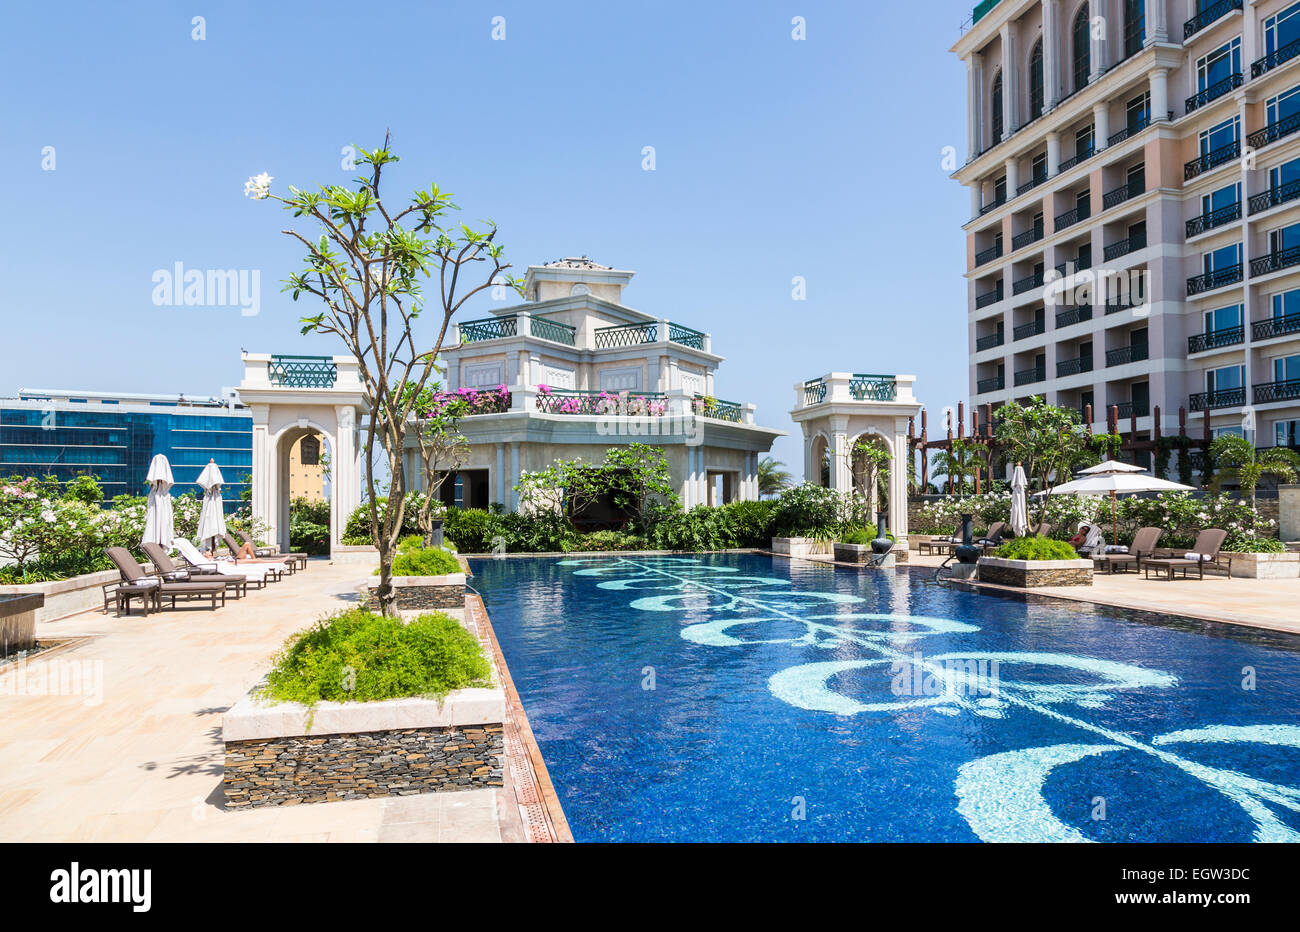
{"x":1116,"y":548}
{"x":147,"y":581}
{"x":1200,"y":557}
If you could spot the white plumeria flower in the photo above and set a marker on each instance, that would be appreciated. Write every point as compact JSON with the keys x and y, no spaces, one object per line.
{"x":258,"y":187}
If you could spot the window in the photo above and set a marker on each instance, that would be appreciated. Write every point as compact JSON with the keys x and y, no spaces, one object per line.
{"x":1082,"y":48}
{"x":1285,"y":173}
{"x":997,"y":108}
{"x":1138,"y":112}
{"x":1286,"y":369}
{"x":1281,"y":30}
{"x":1039,"y":168}
{"x":1284,"y":239}
{"x":1286,"y":303}
{"x":1135,"y":26}
{"x":1083,"y":142}
{"x":1225,"y":134}
{"x":1283,"y":105}
{"x":579,"y":289}
{"x":1136,"y":177}
{"x":1219,"y":65}
{"x":1000,"y":190}
{"x":1223,"y":318}
{"x":1218,"y":432}
{"x":1036,"y":80}
{"x":1222,"y":258}
{"x":1224,"y":378}
{"x":1224,"y":197}
{"x":1286,"y":433}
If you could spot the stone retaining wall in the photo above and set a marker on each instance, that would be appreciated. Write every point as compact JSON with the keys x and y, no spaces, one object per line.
{"x":425,"y":593}
{"x":287,"y":771}
{"x":999,"y":573}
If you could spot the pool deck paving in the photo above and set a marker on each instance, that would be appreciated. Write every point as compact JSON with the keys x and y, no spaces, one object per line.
{"x":140,"y":758}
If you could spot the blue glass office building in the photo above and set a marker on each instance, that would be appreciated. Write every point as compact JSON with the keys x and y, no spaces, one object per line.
{"x":114,"y":437}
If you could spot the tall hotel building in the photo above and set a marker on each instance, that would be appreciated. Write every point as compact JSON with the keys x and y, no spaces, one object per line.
{"x":1151,"y":136}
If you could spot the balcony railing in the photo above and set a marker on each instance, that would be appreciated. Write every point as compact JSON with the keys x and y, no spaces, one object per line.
{"x":1132,"y":129}
{"x":1214,"y":218}
{"x":994,"y":384}
{"x":1288,"y":390}
{"x":1073,"y":366}
{"x":303,"y":371}
{"x":626,"y":335}
{"x":1274,"y":131}
{"x":871,"y":387}
{"x":1073,"y":315}
{"x":1130,"y":409}
{"x":1125,"y":246}
{"x":1219,"y":278}
{"x":489,"y":328}
{"x":1032,"y":235}
{"x":1031,"y":329}
{"x":1274,"y":196}
{"x":1275,"y":261}
{"x":685,"y":336}
{"x":1224,"y":398}
{"x":716,"y":408}
{"x":1280,"y":326}
{"x":988,"y":255}
{"x":1029,"y":376}
{"x":988,"y":341}
{"x":552,"y":330}
{"x":1030,"y":184}
{"x":814,"y":392}
{"x":990,"y":297}
{"x":625,"y":404}
{"x":1214,"y":91}
{"x":1122,"y":355}
{"x":993,"y":205}
{"x":1025,"y":284}
{"x":1071,"y":217}
{"x":1212,"y":159}
{"x":1208,"y":15}
{"x":1079,"y":157}
{"x":1077,"y":264}
{"x":1273,"y":59}
{"x":1215,"y":339}
{"x":1123,"y":193}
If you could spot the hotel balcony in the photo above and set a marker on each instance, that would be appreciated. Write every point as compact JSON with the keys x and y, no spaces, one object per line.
{"x":988,"y":341}
{"x":1032,"y":235}
{"x":1071,"y":217}
{"x":1219,"y":278}
{"x":1125,"y":410}
{"x":990,"y":297}
{"x":1074,"y":366}
{"x":1274,"y":59}
{"x":1210,"y":14}
{"x":1073,"y":315}
{"x":1275,"y":261}
{"x":1226,"y":214}
{"x":511,"y":326}
{"x":1031,"y":329}
{"x":1275,"y":196}
{"x":846,"y":388}
{"x":1125,"y":246}
{"x":1120,"y":356}
{"x":1273,"y":132}
{"x":1224,"y":398}
{"x":986,"y":256}
{"x":1029,"y":376}
{"x":993,"y":384}
{"x":1216,"y":339}
{"x":1212,"y":159}
{"x":1271,"y":327}
{"x":1124,"y":192}
{"x":1020,"y":286}
{"x":1214,"y":92}
{"x":1289,"y":390}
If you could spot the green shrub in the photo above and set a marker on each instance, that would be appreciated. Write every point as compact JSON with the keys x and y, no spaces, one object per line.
{"x":856,"y":535}
{"x":358,"y":656}
{"x":309,"y":526}
{"x":607,"y":540}
{"x":807,"y":511}
{"x":1246,"y":543}
{"x":751,"y":522}
{"x":473,"y":529}
{"x":1036,"y":548}
{"x":701,"y":528}
{"x":424,"y":561}
{"x":356,"y":532}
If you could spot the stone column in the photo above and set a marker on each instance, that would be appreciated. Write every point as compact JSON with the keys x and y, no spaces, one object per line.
{"x":1158,"y":78}
{"x":898,"y":482}
{"x":841,"y":474}
{"x":1051,"y":55}
{"x":500,"y":476}
{"x":1098,"y":30}
{"x":514,"y":476}
{"x":261,"y":471}
{"x":1012,"y":169}
{"x":1010,"y":81}
{"x":1100,"y":127}
{"x":345,"y":478}
{"x":1157,"y":24}
{"x":1288,"y":512}
{"x":1053,"y":155}
{"x":974,"y":112}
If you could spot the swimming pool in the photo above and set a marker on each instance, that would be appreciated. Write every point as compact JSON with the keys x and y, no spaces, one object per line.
{"x":738,"y":697}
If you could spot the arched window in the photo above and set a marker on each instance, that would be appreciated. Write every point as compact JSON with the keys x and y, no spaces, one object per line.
{"x":1082,"y":49}
{"x":997,"y":108}
{"x":1135,"y":26}
{"x":1036,"y":80}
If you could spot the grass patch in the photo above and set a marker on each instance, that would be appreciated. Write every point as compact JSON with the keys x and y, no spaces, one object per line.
{"x":358,"y":656}
{"x":1036,"y":548}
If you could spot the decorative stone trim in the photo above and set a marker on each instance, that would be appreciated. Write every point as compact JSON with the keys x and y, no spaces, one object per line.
{"x":1266,"y":565}
{"x":421,"y":593}
{"x":1031,"y":574}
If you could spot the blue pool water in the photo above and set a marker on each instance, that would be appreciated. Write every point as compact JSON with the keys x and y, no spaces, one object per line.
{"x":738,"y":698}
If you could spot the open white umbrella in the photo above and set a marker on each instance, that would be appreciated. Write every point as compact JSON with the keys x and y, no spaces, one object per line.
{"x":159,"y":525}
{"x":1106,"y":467}
{"x":1122,"y":480}
{"x":1019,"y":506}
{"x":212,"y":516}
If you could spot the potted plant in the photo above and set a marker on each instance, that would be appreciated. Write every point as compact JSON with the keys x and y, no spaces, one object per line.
{"x":1261,"y":558}
{"x":853,"y":546}
{"x":1030,"y":562}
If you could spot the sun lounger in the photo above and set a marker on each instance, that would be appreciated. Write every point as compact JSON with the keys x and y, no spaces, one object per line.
{"x":165,"y":567}
{"x":260,"y":572}
{"x":234,"y":547}
{"x":1206,"y":550}
{"x":1143,"y":547}
{"x":135,"y":579}
{"x":299,"y":558}
{"x":993,"y":538}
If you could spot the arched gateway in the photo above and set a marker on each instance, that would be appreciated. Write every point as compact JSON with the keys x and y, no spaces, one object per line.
{"x":291,"y":397}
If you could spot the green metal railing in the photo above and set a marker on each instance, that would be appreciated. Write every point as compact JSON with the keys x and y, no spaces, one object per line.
{"x":685,"y":336}
{"x":719,"y":409}
{"x":982,"y":9}
{"x":553,"y":330}
{"x":870,"y":387}
{"x":626,"y":335}
{"x":627,"y":404}
{"x":814,"y":392}
{"x":489,"y":328}
{"x":303,"y":371}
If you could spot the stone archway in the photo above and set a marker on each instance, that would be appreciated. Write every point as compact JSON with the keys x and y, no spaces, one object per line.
{"x":819,"y":469}
{"x":863,"y":470}
{"x":289,"y":469}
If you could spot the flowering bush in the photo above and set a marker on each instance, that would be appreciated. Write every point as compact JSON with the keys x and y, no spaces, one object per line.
{"x":465,"y":401}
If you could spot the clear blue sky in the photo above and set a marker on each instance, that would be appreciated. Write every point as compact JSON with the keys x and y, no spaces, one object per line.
{"x":775,"y":158}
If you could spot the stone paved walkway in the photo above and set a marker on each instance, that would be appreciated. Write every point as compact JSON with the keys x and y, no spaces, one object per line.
{"x":140,"y":759}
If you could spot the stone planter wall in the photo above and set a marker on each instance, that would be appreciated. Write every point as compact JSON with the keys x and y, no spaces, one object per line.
{"x":425,"y":593}
{"x":284,"y":754}
{"x":1266,"y":565}
{"x":1031,"y":574}
{"x":67,"y":596}
{"x":799,"y":546}
{"x":349,"y":554}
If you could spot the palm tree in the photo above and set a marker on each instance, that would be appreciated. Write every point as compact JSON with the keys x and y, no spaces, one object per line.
{"x":1237,"y":457}
{"x":961,"y":463}
{"x":772,"y":477}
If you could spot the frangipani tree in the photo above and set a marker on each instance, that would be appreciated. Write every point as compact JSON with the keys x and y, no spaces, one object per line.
{"x":367,"y":264}
{"x":442,"y":446}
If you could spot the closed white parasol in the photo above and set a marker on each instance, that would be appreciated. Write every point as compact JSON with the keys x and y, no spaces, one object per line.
{"x":159,"y":526}
{"x":1019,"y":506}
{"x":212,"y":517}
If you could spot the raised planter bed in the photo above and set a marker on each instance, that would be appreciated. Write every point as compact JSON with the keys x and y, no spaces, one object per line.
{"x":354,"y":553}
{"x":421,"y":593}
{"x":1031,"y":574}
{"x":861,"y":553}
{"x":66,"y":597}
{"x":1266,"y":565}
{"x":799,"y":546}
{"x":284,"y":754}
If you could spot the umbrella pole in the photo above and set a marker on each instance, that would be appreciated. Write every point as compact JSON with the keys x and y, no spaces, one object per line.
{"x":1114,"y":520}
